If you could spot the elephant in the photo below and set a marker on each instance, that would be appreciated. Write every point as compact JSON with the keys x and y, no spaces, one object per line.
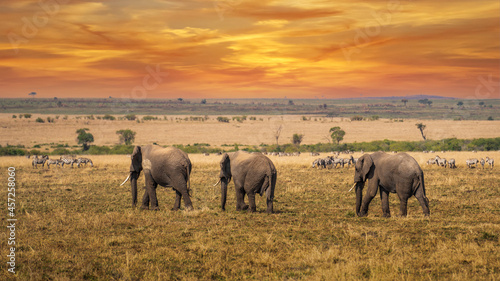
{"x":168,"y":167}
{"x":398,"y":173}
{"x":252,"y":173}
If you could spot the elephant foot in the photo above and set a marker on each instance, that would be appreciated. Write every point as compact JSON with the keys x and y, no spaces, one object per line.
{"x":144,"y":207}
{"x":361,"y":214}
{"x":245,"y":207}
{"x":386,"y":215}
{"x":189,"y":208}
{"x":155,"y":208}
{"x":175,"y":209}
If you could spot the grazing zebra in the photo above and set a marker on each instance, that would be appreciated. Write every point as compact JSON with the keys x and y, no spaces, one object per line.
{"x":471,"y":162}
{"x":490,"y":162}
{"x":346,"y":161}
{"x":337,"y":161}
{"x":354,"y":160}
{"x":482,"y":162}
{"x":451,"y":163}
{"x":206,"y":154}
{"x":83,"y":160}
{"x":441,"y":161}
{"x":57,"y":162}
{"x":431,"y":161}
{"x":40,"y":160}
{"x":68,"y":160}
{"x":314,"y":154}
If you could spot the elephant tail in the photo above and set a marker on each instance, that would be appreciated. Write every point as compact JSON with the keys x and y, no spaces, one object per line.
{"x":419,"y":184}
{"x":269,"y":183}
{"x":188,"y":174}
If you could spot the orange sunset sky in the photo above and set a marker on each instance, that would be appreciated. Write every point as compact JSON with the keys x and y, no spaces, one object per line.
{"x":242,"y":48}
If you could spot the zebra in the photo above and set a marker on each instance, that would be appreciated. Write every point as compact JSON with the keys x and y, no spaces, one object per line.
{"x":482,"y":162}
{"x":83,"y":160}
{"x":346,"y":161}
{"x":441,"y":161}
{"x":490,"y":162}
{"x":66,"y":159}
{"x":451,"y":163}
{"x":471,"y":162}
{"x":57,"y":162}
{"x":337,"y":161}
{"x":354,"y":160}
{"x":40,"y":160}
{"x":431,"y":161}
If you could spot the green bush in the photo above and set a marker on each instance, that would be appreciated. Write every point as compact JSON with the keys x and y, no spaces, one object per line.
{"x":39,"y":120}
{"x":108,"y":117}
{"x":11,"y":151}
{"x":223,"y":119}
{"x":149,"y":117}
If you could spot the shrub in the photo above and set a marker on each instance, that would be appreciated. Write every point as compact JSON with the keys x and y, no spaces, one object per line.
{"x":130,"y":117}
{"x":223,"y":119}
{"x":27,"y":115}
{"x":149,"y":117}
{"x":357,"y":118}
{"x":108,"y":117}
{"x":40,"y":120}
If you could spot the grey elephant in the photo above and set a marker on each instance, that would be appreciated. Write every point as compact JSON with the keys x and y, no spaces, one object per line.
{"x":253,"y":173}
{"x":398,"y":173}
{"x":168,"y":167}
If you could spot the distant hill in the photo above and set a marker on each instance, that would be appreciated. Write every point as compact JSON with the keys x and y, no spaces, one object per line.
{"x":413,"y":97}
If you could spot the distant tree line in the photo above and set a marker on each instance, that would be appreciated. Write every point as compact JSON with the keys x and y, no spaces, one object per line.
{"x":451,"y":144}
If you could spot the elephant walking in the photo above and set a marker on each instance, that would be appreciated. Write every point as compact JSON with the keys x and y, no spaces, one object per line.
{"x":168,"y":167}
{"x":398,"y":173}
{"x":252,"y":173}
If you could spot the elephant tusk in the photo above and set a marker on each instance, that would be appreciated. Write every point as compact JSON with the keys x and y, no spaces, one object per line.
{"x":352,"y":187}
{"x":125,"y":180}
{"x":217,"y":183}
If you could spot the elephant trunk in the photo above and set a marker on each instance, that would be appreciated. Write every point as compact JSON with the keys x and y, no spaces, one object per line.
{"x":133,"y":184}
{"x":359,"y":196}
{"x":223,"y":191}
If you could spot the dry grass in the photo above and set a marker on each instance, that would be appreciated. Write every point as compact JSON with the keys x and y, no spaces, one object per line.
{"x":167,"y":132}
{"x":77,"y":224}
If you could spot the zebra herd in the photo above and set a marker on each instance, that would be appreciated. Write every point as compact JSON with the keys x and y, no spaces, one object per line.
{"x":63,"y":160}
{"x":471,"y":163}
{"x":333,"y":162}
{"x":474,"y":161}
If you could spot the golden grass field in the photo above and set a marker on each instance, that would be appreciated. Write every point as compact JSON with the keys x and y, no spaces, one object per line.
{"x":27,"y":132}
{"x":77,"y":224}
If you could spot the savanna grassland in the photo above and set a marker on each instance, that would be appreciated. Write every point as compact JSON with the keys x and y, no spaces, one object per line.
{"x":77,"y":224}
{"x":182,"y":129}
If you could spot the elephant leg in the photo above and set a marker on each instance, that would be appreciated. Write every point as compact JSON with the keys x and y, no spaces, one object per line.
{"x":270,"y":199}
{"x":370,"y":194}
{"x":251,"y":202}
{"x":145,"y":200}
{"x":403,"y":205}
{"x":180,"y":186}
{"x":240,"y":199}
{"x":384,"y":197}
{"x":177,"y":203}
{"x":187,"y":200}
{"x":424,"y":202}
{"x":151,"y":192}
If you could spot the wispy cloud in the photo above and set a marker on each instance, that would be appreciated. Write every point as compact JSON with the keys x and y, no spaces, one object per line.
{"x":269,"y":48}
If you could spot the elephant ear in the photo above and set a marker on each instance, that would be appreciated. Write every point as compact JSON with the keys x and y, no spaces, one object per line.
{"x":136,"y":165}
{"x":366,"y":164}
{"x":225,"y":167}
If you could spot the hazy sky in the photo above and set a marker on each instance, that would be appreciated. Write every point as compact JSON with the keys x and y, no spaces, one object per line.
{"x":236,"y":48}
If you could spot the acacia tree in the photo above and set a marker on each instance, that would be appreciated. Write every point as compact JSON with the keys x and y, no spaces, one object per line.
{"x":421,"y":127}
{"x":297,"y":139}
{"x":84,"y":138}
{"x":337,"y":134}
{"x":404,"y":101}
{"x":126,"y":136}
